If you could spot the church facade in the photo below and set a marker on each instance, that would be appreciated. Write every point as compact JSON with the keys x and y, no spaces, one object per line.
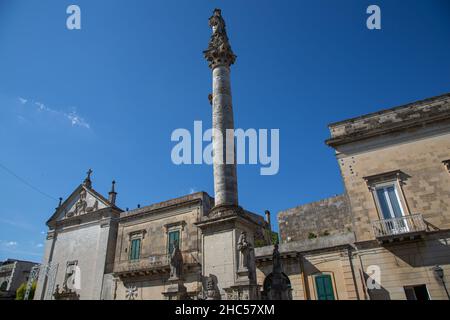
{"x":386,"y":237}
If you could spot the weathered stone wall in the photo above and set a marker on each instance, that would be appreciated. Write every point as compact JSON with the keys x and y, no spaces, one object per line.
{"x":408,"y":264}
{"x":154,"y":223}
{"x":425,"y":184}
{"x":304,"y":260}
{"x":326,"y":217}
{"x":88,"y":246}
{"x":417,"y":148}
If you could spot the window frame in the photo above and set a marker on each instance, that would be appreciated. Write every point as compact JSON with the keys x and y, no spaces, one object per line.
{"x":131,"y":253}
{"x":383,"y":186}
{"x":173,"y":227}
{"x":332,"y":281}
{"x":393,"y":178}
{"x":413,"y":288}
{"x":178,"y":230}
{"x":136,"y":235}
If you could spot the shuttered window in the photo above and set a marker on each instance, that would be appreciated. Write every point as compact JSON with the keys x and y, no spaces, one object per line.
{"x":173,"y":236}
{"x":135,"y":251}
{"x":324,"y":287}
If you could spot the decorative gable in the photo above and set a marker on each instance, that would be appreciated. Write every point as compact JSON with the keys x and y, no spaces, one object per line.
{"x":82,"y":201}
{"x":85,"y":202}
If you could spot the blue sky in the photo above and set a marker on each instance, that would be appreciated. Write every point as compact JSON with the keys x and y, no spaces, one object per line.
{"x":108,"y":97}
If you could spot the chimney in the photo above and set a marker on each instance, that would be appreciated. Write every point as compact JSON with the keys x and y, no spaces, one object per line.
{"x":112,"y":194}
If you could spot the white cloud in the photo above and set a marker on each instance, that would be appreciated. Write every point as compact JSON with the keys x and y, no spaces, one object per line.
{"x":8,"y":244}
{"x":192,"y":190}
{"x":39,"y":245}
{"x":75,"y":119}
{"x":41,"y":106}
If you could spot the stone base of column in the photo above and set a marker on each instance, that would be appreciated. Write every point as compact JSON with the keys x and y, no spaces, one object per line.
{"x":176,"y":290}
{"x":243,"y":292}
{"x":223,"y":211}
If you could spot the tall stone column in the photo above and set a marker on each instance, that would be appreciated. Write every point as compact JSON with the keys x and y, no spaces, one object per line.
{"x":220,"y":57}
{"x":226,"y":255}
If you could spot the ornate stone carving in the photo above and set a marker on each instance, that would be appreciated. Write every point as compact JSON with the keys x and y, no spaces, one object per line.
{"x":211,"y":291}
{"x":219,"y":50}
{"x":65,"y":294}
{"x":277,"y":285}
{"x":247,"y":257}
{"x":176,"y":262}
{"x":131,"y":292}
{"x":276,"y":259}
{"x":81,"y":206}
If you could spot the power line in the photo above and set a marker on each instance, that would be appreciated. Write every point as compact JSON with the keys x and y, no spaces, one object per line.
{"x":26,"y":182}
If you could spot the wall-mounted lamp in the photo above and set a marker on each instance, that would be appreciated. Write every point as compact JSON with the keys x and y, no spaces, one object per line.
{"x":439,"y":272}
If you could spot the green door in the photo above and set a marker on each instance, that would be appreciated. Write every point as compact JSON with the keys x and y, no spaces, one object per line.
{"x":324,"y":287}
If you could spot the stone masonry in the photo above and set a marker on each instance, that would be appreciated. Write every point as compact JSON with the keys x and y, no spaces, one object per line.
{"x":322,"y":218}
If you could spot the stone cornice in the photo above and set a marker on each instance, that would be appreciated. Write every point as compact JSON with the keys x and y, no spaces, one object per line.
{"x":162,"y":207}
{"x":417,"y":114}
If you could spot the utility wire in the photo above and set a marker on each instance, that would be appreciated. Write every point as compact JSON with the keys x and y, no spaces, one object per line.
{"x":26,"y":182}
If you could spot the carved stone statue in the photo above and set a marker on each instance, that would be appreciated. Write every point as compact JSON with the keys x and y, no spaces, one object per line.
{"x":176,"y":262}
{"x":219,"y":46}
{"x":244,"y":247}
{"x":80,"y":206}
{"x":276,"y":259}
{"x":277,"y":285}
{"x":211,"y":292}
{"x":247,"y":255}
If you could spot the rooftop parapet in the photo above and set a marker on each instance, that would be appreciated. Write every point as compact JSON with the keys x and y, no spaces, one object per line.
{"x":411,"y":115}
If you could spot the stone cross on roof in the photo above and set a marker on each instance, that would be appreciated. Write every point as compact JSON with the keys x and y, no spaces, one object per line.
{"x":87,"y":182}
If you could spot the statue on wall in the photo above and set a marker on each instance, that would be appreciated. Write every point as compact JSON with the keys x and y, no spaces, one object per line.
{"x":276,"y":259}
{"x":211,"y":292}
{"x":277,"y":285}
{"x":247,"y":255}
{"x":176,"y":262}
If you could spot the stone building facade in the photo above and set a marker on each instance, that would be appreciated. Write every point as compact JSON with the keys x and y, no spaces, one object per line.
{"x":391,"y":236}
{"x":13,"y":273}
{"x":80,"y":247}
{"x":381,"y":239}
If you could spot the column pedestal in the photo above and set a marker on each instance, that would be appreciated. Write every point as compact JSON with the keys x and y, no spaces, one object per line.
{"x":176,"y":290}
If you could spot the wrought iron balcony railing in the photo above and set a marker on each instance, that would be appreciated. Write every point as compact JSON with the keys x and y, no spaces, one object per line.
{"x":399,"y":227}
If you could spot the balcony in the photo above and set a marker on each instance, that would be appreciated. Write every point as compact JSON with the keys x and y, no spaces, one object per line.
{"x":155,"y":264}
{"x":398,"y":229}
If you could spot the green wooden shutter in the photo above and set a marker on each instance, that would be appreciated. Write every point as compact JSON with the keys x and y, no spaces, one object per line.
{"x":324,"y":287}
{"x":173,"y":235}
{"x":135,"y":251}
